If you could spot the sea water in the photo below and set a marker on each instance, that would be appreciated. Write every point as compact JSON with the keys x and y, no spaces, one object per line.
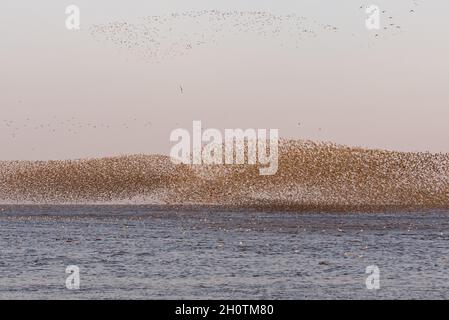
{"x":152,"y":252}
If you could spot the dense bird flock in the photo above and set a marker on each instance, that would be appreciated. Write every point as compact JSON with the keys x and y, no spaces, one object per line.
{"x":311,"y":177}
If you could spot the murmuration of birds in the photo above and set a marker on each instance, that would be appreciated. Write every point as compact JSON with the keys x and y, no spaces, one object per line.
{"x":311,"y":177}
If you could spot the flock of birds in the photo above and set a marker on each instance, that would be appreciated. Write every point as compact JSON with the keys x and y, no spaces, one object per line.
{"x":311,"y":177}
{"x":156,"y":38}
{"x":159,"y":37}
{"x":70,"y":125}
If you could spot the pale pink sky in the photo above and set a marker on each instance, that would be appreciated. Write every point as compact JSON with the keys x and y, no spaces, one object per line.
{"x":66,"y":95}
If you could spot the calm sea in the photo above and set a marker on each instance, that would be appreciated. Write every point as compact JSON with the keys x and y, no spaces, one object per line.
{"x":147,"y":252}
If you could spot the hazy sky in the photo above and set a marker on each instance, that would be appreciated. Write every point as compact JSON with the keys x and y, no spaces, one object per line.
{"x":64,"y":94}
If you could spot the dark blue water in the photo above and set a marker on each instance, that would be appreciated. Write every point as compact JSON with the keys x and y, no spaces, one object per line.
{"x":146,"y":252}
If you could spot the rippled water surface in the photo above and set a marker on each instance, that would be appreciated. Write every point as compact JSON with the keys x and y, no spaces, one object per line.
{"x":147,"y":252}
